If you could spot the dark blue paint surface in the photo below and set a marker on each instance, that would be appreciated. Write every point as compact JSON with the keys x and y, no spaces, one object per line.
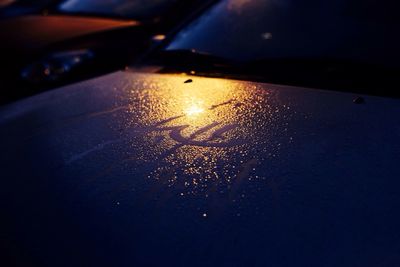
{"x":87,"y":179}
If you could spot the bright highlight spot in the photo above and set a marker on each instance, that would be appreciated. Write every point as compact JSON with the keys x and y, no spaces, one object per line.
{"x":158,"y":37}
{"x":194,"y":110}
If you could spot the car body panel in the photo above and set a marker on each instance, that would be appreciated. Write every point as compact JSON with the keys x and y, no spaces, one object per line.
{"x":134,"y":169}
{"x":37,"y":31}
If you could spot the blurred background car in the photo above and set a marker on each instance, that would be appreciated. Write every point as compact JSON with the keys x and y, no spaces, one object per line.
{"x":65,"y":41}
{"x":343,"y":45}
{"x":262,"y":133}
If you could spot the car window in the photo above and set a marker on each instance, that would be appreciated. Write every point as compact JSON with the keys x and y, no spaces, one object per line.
{"x":124,"y":8}
{"x":357,"y":30}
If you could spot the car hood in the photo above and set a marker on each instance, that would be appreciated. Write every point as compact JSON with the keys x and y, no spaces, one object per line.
{"x":26,"y":33}
{"x":150,"y":169}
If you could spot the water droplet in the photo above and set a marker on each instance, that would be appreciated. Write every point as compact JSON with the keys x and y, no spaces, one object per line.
{"x":359,"y":100}
{"x":266,"y":36}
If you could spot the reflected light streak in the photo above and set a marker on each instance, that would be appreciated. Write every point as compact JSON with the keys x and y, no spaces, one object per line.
{"x":158,"y":37}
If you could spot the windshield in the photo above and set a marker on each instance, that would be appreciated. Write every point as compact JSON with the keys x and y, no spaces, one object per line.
{"x":138,"y":9}
{"x":362,"y":31}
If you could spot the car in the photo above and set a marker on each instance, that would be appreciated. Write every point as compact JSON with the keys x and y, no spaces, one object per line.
{"x":68,"y":41}
{"x":196,"y":156}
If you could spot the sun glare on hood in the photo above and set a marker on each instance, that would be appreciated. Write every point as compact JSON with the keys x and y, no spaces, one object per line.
{"x":194,"y":109}
{"x":203,"y":134}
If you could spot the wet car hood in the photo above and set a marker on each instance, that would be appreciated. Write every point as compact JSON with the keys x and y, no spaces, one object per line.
{"x":30,"y":32}
{"x":150,"y":169}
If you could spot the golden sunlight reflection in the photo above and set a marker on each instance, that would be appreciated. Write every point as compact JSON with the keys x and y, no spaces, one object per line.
{"x":194,"y":109}
{"x":158,"y":37}
{"x":202,"y":134}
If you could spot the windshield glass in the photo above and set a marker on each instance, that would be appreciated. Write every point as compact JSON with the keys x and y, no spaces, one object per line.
{"x":363,"y":31}
{"x":137,"y":9}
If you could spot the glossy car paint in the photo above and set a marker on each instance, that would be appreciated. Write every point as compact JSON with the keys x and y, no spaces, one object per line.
{"x":37,"y":31}
{"x":150,"y":169}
